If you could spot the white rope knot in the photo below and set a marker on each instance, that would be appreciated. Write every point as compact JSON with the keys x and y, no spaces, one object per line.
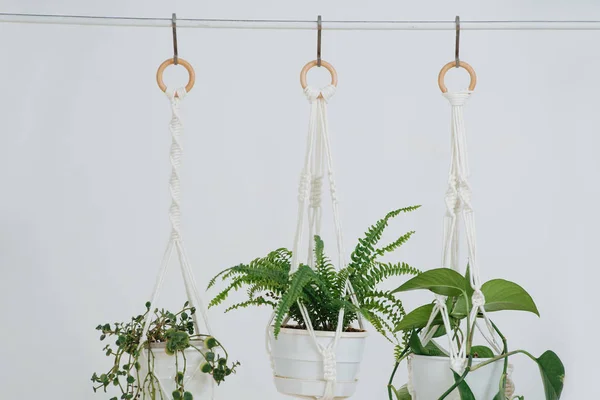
{"x":457,"y":98}
{"x":313,"y":94}
{"x":315,"y":191}
{"x":464,"y":192}
{"x":509,"y":389}
{"x":478,"y":299}
{"x":329,"y":364}
{"x":176,"y":94}
{"x":303,"y":186}
{"x":452,"y":203}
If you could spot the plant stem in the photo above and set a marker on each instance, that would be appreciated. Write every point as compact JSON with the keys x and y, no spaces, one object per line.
{"x":504,"y":351}
{"x":402,"y":357}
{"x":512,"y":353}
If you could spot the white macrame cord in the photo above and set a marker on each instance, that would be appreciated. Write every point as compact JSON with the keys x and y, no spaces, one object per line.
{"x":175,"y":242}
{"x":317,"y":162}
{"x":458,"y":204}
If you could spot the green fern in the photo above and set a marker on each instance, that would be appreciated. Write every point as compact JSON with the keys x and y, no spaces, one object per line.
{"x":320,"y":289}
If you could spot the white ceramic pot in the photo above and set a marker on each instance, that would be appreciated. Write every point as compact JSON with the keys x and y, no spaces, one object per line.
{"x":298,"y":365}
{"x":196,"y":382}
{"x":432,"y":376}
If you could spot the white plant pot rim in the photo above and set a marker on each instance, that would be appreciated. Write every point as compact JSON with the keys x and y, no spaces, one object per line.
{"x":304,"y":332}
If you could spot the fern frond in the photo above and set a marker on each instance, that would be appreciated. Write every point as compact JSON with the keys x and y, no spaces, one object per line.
{"x":302,"y":277}
{"x":259,"y":301}
{"x":393,"y":246}
{"x":380,"y":271}
{"x":364,"y":250}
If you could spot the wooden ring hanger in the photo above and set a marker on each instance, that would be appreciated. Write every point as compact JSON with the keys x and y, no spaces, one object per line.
{"x":184,"y":64}
{"x":448,"y":67}
{"x":314,"y":63}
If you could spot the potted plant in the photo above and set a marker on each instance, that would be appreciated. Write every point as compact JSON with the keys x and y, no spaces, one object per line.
{"x":297,"y":363}
{"x":173,"y":361}
{"x":485,"y":375}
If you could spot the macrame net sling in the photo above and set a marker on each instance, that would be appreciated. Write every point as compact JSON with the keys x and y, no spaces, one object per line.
{"x":317,"y":162}
{"x":459,"y":207}
{"x":175,"y":243}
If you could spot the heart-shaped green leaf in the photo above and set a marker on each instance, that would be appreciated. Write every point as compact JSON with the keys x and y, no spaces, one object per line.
{"x":444,"y":281}
{"x":418,"y":318}
{"x":463,"y":388}
{"x":505,"y":295}
{"x":481,"y":352}
{"x":553,"y":374}
{"x":431,"y":349}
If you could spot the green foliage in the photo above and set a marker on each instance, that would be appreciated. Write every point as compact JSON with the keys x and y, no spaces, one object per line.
{"x":499,"y":295}
{"x":553,"y":374}
{"x":320,"y":287}
{"x":177,"y":331}
{"x":444,"y":281}
{"x":402,"y":393}
{"x":463,"y":388}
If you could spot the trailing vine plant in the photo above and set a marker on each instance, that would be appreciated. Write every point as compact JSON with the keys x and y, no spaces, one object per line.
{"x":177,"y":332}
{"x":499,"y":295}
{"x":268,"y":282}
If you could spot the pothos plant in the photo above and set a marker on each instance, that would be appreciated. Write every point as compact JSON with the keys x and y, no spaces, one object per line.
{"x":177,"y":332}
{"x":269,"y":283}
{"x":499,"y":295}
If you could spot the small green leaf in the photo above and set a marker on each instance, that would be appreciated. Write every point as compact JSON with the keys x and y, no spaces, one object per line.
{"x":431,"y":349}
{"x":463,"y":388}
{"x":210,"y":356}
{"x":188,"y":396}
{"x":481,"y":352}
{"x":505,"y":295}
{"x":402,"y":393}
{"x":444,"y":281}
{"x":418,"y":319}
{"x":176,"y":395}
{"x":130,"y":379}
{"x":553,"y":374}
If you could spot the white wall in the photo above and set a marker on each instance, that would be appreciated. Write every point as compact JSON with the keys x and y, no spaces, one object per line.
{"x":84,"y":170}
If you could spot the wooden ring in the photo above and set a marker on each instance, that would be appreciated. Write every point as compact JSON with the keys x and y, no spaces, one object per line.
{"x":183,"y":63}
{"x":328,"y":67}
{"x":448,"y":67}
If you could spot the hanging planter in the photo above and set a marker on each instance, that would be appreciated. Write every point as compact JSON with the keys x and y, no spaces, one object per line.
{"x":463,"y":304}
{"x":431,"y":377}
{"x":298,"y":365}
{"x":315,"y":352}
{"x":163,"y":355}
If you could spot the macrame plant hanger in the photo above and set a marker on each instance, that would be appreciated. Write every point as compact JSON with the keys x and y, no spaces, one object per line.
{"x":175,"y":242}
{"x":458,"y":208}
{"x":318,"y":162}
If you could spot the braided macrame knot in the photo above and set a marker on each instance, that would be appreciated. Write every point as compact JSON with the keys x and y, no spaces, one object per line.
{"x":509,"y":389}
{"x":457,"y":98}
{"x":303,"y":186}
{"x":329,"y":364}
{"x":181,"y":92}
{"x":315,"y":191}
{"x":464,"y":192}
{"x":452,"y":203}
{"x":478,"y":298}
{"x":313,"y":94}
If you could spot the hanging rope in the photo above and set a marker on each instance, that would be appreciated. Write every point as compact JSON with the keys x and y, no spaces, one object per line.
{"x":175,"y":242}
{"x":318,"y":161}
{"x":459,"y":209}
